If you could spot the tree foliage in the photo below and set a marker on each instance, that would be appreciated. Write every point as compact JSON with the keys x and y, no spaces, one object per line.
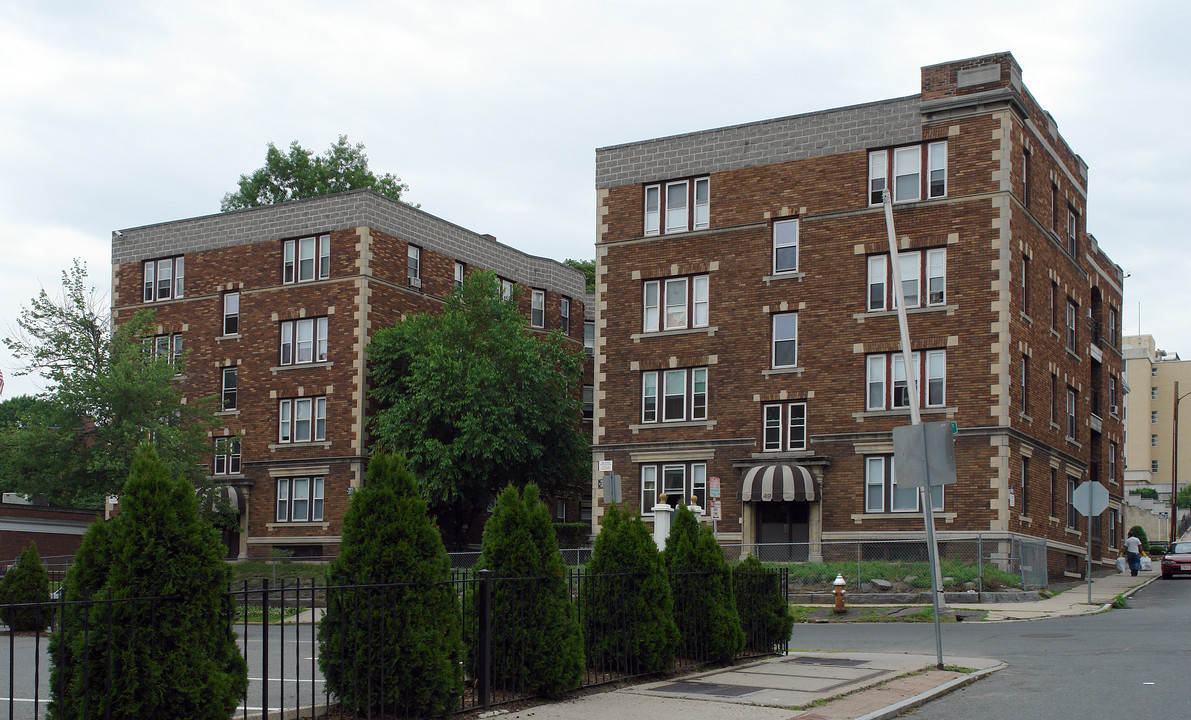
{"x":392,"y":647}
{"x":536,"y":640}
{"x":1140,"y":533}
{"x":300,"y":174}
{"x":1183,"y":499}
{"x":26,"y":582}
{"x":177,"y":657}
{"x":761,"y":603}
{"x":708,"y":624}
{"x":477,"y":403}
{"x":628,"y":609}
{"x":105,"y":395}
{"x":588,"y":268}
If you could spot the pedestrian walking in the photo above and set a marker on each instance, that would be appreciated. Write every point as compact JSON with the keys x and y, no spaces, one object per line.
{"x":1133,"y":552}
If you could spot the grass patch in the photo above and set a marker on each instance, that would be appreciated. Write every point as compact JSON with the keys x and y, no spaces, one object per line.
{"x":277,"y":572}
{"x":823,"y":574}
{"x":1120,"y":602}
{"x":276,"y":614}
{"x":959,"y":669}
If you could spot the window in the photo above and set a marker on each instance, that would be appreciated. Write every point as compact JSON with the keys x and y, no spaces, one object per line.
{"x":681,"y":309}
{"x":1054,"y":207}
{"x":231,"y":313}
{"x":1072,"y":226}
{"x":1153,"y":441}
{"x":1153,"y":393}
{"x":679,"y":394}
{"x":685,"y":204}
{"x":784,"y":427}
{"x":1070,"y":500}
{"x":785,"y":340}
{"x":537,"y":308}
{"x":564,"y":315}
{"x":910,"y":165}
{"x":413,"y":268}
{"x":168,"y":347}
{"x":680,"y":482}
{"x":306,"y":259}
{"x":1025,"y":486}
{"x":1054,"y":398}
{"x":304,"y":341}
{"x":1112,"y":394}
{"x":895,"y":395}
{"x":1112,"y":325}
{"x":1025,"y":177}
{"x":506,"y":289}
{"x":1070,"y":413}
{"x":459,"y":274}
{"x":1025,"y":384}
{"x":300,"y":499}
{"x":1153,"y":466}
{"x":1054,"y":493}
{"x":1153,"y":417}
{"x":785,"y":246}
{"x":1112,"y":462}
{"x":589,"y":335}
{"x":1071,"y":312}
{"x":1054,"y":305}
{"x":302,"y":420}
{"x":882,"y":493}
{"x":588,"y":402}
{"x":227,"y":456}
{"x":1025,"y":285}
{"x":1153,"y":372}
{"x":229,"y":388}
{"x":164,"y":278}
{"x":912,"y":266}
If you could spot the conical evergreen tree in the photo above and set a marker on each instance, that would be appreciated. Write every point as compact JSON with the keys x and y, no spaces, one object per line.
{"x":173,"y":657}
{"x":536,"y":640}
{"x":761,"y":601}
{"x":708,"y":624}
{"x":393,"y":646}
{"x":28,"y":582}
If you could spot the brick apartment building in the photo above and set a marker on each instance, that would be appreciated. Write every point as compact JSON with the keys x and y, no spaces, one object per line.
{"x":746,"y":327}
{"x":273,"y":308}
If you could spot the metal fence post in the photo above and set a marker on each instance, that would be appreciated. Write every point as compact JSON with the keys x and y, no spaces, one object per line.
{"x":857,"y":566}
{"x":485,"y":637}
{"x":264,"y":647}
{"x":979,"y":563}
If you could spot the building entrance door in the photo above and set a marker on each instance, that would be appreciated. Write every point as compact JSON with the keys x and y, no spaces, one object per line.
{"x":783,"y":531}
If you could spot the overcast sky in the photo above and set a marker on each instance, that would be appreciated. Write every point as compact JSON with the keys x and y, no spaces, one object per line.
{"x":120,"y":114}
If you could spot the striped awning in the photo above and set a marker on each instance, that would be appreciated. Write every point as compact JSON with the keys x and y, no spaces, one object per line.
{"x":779,"y":482}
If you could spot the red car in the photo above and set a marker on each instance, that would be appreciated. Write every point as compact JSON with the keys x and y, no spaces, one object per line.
{"x":1177,"y":560}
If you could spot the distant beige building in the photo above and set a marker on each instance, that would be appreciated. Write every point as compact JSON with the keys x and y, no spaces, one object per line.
{"x":1151,"y":375}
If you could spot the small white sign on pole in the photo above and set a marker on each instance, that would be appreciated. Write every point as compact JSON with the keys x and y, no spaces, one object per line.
{"x":605,"y":466}
{"x":717,"y":509}
{"x":714,"y":487}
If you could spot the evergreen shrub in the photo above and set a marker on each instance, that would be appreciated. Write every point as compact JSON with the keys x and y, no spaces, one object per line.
{"x":1140,"y":532}
{"x":572,"y":535}
{"x":395,"y":646}
{"x":537,"y":644}
{"x":761,"y":602}
{"x":628,"y":611}
{"x":165,"y":647}
{"x":704,"y":606}
{"x":26,"y":582}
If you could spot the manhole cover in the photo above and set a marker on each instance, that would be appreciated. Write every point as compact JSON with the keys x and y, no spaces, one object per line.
{"x":837,"y":662}
{"x":718,"y":689}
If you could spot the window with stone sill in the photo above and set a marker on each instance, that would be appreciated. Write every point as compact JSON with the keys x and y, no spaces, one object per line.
{"x":306,"y":259}
{"x":302,"y":420}
{"x":674,"y":395}
{"x":913,"y":172}
{"x":164,"y":278}
{"x":299,"y":499}
{"x":677,"y":206}
{"x":678,"y":481}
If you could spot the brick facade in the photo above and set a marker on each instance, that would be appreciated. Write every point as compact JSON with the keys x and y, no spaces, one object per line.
{"x":366,"y":287}
{"x":975,"y":118}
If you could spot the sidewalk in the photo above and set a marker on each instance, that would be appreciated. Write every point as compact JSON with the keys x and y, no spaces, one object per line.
{"x":825,"y":686}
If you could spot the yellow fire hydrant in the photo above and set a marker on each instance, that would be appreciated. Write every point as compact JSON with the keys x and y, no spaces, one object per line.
{"x":839,"y":593}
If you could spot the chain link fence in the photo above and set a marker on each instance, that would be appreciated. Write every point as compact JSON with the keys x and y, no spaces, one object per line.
{"x":979,"y":562}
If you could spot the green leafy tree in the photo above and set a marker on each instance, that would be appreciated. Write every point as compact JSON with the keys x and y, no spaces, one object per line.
{"x":105,"y":396}
{"x":536,"y":640}
{"x":1140,"y":532}
{"x":392,"y":647}
{"x":1183,"y":499}
{"x":176,"y":657}
{"x":765,"y":614}
{"x":628,"y":618}
{"x":29,"y":451}
{"x":27,"y":582}
{"x":477,"y":403}
{"x":301,"y":174}
{"x":708,"y":624}
{"x":588,"y":268}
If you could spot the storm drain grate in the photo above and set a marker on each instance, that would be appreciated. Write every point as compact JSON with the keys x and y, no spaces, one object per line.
{"x":718,"y":689}
{"x":836,"y":662}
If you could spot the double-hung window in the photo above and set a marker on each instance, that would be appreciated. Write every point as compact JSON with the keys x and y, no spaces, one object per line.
{"x":785,"y":340}
{"x":300,"y":499}
{"x":785,"y":246}
{"x":227,"y":456}
{"x":588,"y":402}
{"x":1025,"y":285}
{"x":229,"y":388}
{"x":304,"y":341}
{"x":886,"y":385}
{"x":909,"y":171}
{"x":784,"y":427}
{"x":912,"y":266}
{"x":1072,"y":231}
{"x":877,"y":281}
{"x":564,"y":316}
{"x":231,"y":313}
{"x":674,"y":395}
{"x":589,"y":335}
{"x":684,"y":205}
{"x":167,"y":347}
{"x":302,"y":420}
{"x":1071,"y":314}
{"x":459,"y":267}
{"x":164,"y":278}
{"x":506,"y":289}
{"x":679,"y":482}
{"x":1070,"y":413}
{"x":1025,"y":384}
{"x":675,"y":303}
{"x":306,"y":259}
{"x":883,"y":494}
{"x":537,"y":308}
{"x":413,"y":267}
{"x":1071,"y":511}
{"x":1025,"y":486}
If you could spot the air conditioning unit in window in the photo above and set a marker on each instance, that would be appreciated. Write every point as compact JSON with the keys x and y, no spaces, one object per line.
{"x":1113,"y":410}
{"x":415,"y":282}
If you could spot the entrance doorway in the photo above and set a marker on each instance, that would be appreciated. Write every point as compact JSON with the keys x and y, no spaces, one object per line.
{"x":783,"y":531}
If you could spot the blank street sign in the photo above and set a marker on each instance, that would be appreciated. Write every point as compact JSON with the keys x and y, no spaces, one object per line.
{"x":919,"y":448}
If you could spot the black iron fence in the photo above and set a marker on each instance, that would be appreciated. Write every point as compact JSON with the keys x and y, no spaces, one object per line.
{"x":277,"y":628}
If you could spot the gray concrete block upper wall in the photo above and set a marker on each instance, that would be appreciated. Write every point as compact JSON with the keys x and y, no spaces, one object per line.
{"x":798,"y":137}
{"x":357,"y":208}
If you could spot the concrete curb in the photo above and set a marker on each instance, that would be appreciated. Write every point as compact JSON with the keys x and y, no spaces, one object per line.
{"x":922,"y":698}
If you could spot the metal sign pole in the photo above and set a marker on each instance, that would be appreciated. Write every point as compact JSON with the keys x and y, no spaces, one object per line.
{"x":936,"y":577}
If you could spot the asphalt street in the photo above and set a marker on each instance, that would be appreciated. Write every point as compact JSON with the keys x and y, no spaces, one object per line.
{"x":1124,"y":663}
